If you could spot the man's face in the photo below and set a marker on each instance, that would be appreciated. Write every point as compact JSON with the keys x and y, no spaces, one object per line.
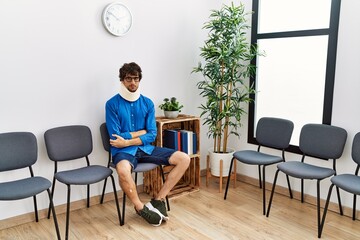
{"x":131,"y":82}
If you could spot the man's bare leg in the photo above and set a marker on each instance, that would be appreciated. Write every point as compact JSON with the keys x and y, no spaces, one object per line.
{"x":127,"y":183}
{"x":180,"y":161}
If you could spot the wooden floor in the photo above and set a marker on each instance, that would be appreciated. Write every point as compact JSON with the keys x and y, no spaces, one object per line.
{"x":199,"y":215}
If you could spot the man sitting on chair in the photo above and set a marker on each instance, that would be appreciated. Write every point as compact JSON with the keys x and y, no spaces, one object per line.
{"x":130,"y":120}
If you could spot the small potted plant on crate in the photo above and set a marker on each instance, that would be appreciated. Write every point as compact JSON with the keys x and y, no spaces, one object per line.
{"x":171,"y":107}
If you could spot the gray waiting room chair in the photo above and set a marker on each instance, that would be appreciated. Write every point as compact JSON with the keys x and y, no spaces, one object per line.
{"x":319,"y":141}
{"x":69,"y":143}
{"x":19,"y":150}
{"x":272,"y":133}
{"x":141,"y":167}
{"x":347,"y":182}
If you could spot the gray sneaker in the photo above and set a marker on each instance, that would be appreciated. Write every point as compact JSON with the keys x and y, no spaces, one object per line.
{"x":159,"y":207}
{"x":150,"y":216}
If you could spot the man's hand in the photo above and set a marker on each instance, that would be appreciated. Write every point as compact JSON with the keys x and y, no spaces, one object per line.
{"x":119,"y":142}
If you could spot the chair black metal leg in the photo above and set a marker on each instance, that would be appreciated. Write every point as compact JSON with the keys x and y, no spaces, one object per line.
{"x":116,"y":199}
{"x":123,"y":209}
{"x":52,"y":195}
{"x":103,"y":192}
{"x":54,"y":215}
{"x":228,"y":179}
{"x":259,"y":170}
{"x":339,"y":201}
{"x":325,"y":211}
{"x":318,"y":206}
{"x":167,"y":203}
{"x":272,"y":192}
{"x":35,"y":209}
{"x":302,"y":190}
{"x":264,"y":190}
{"x":88,"y":196}
{"x":105,"y":182}
{"x":354,"y":208}
{"x":67,"y":213}
{"x":163,"y":179}
{"x":289,"y":187}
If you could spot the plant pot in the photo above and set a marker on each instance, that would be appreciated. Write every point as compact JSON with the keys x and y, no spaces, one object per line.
{"x":215,"y":161}
{"x":171,"y":114}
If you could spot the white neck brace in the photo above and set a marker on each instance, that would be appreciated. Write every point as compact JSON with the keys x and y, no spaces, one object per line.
{"x":127,"y":95}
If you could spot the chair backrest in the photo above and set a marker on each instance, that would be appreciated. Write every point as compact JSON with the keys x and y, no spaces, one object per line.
{"x":322,"y":141}
{"x":355,"y":152}
{"x":105,"y":137}
{"x":17,"y":150}
{"x":68,"y":142}
{"x":274,"y":132}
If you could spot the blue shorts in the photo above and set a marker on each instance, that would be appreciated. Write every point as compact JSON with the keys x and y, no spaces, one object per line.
{"x":159,"y":156}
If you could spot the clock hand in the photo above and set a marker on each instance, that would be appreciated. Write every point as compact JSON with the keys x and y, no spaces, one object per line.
{"x":114,"y":16}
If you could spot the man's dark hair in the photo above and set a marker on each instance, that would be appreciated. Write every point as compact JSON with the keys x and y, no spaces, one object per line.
{"x":129,"y":68}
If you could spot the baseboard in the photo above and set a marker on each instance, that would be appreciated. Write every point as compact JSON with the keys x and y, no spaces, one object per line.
{"x":284,"y":191}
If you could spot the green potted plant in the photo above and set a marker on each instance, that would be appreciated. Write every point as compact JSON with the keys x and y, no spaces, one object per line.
{"x":227,"y":55}
{"x":171,"y":107}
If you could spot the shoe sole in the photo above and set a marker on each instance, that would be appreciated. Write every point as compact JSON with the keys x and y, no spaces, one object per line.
{"x":152,"y":208}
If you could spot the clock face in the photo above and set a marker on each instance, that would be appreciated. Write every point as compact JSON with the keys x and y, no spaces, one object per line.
{"x":117,"y":19}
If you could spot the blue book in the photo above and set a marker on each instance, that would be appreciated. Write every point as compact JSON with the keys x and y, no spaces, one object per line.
{"x":194,"y":143}
{"x":187,"y":141}
{"x":184,"y":141}
{"x":171,"y":139}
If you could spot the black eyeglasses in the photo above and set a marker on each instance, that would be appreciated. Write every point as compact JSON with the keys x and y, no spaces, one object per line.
{"x":130,"y":79}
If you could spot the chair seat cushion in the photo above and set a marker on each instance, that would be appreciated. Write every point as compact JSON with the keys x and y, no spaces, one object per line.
{"x":141,"y":167}
{"x":23,"y":188}
{"x":347,"y":182}
{"x":84,"y":176}
{"x":256,"y":158}
{"x":144,"y":167}
{"x":305,"y":171}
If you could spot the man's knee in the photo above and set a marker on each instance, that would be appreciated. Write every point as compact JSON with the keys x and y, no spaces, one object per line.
{"x":180,"y":158}
{"x":186,"y":160}
{"x":123,"y":168}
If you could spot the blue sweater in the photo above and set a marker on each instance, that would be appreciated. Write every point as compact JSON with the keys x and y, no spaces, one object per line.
{"x":123,"y":117}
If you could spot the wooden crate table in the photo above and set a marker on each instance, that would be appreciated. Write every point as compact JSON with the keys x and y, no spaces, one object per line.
{"x":190,"y":181}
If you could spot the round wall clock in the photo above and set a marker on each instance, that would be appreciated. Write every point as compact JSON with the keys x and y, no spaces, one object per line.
{"x":117,"y":19}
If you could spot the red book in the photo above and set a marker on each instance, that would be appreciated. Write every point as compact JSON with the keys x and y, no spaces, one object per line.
{"x":179,"y":141}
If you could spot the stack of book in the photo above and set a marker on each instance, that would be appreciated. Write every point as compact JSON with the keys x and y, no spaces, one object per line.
{"x":181,"y":140}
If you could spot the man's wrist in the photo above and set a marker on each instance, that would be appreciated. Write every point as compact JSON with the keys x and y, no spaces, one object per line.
{"x":127,"y":142}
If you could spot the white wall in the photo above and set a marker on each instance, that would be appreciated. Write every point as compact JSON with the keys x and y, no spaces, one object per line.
{"x":58,"y":66}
